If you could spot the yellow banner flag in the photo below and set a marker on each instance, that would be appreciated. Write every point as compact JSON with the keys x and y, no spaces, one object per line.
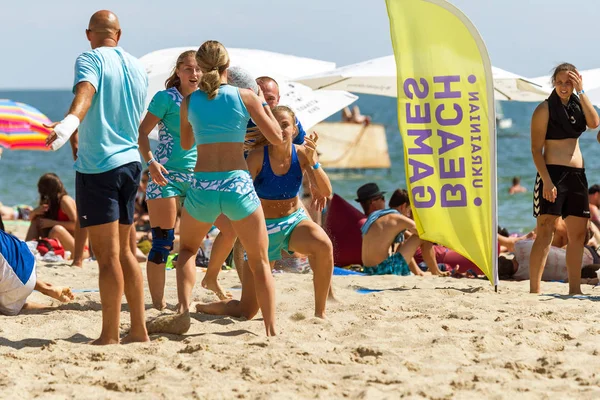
{"x":447,"y":122}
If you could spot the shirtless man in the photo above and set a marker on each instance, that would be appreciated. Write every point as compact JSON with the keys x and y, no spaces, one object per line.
{"x":381,"y":230}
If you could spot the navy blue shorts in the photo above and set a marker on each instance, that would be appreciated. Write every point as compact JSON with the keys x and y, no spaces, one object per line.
{"x":108,"y":196}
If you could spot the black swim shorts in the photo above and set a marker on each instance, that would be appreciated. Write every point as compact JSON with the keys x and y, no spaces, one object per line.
{"x":572,"y":193}
{"x":108,"y":196}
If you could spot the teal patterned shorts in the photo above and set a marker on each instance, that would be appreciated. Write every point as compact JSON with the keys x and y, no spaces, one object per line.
{"x":280,"y":230}
{"x":213,"y":193}
{"x":393,"y":265}
{"x":178,"y":185}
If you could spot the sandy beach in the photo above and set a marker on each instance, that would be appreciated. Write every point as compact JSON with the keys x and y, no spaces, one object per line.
{"x":435,"y":338}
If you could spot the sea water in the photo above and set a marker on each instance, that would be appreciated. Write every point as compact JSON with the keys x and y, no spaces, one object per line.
{"x":20,"y":170}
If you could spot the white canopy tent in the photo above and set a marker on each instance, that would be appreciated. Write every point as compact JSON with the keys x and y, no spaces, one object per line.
{"x":311,"y":106}
{"x":378,"y":77}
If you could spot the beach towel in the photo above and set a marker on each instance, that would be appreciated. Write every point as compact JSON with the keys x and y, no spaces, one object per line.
{"x":47,"y":244}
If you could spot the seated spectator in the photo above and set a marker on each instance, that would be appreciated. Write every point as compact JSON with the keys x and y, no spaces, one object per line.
{"x":56,"y":215}
{"x":354,"y":116}
{"x":140,"y":216}
{"x":385,"y":227}
{"x":594,"y":200}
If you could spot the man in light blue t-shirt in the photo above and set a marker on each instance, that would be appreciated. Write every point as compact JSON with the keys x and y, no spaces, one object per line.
{"x":110,"y":91}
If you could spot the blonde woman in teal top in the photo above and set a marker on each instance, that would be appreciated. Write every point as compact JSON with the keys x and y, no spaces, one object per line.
{"x":170,"y":167}
{"x":215,"y":119}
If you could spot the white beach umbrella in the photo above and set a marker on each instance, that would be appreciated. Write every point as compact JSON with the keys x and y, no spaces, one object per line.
{"x":509,"y":86}
{"x":310,"y":106}
{"x":378,"y":77}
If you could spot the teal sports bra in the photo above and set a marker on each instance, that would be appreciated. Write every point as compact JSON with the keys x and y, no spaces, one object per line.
{"x":220,"y":120}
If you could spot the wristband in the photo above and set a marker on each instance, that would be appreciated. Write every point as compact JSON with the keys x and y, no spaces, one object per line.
{"x":265,"y":104}
{"x":582,"y":92}
{"x":316,"y":166}
{"x":150,"y":161}
{"x":64,"y":130}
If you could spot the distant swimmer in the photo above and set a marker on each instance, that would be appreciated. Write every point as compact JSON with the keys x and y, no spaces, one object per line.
{"x":110,"y":93}
{"x":561,"y":187}
{"x":516,"y":186}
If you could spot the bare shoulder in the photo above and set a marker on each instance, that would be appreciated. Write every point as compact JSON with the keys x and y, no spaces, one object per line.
{"x":66,"y":201}
{"x":541,"y":110}
{"x":246,"y":94}
{"x":301,"y":151}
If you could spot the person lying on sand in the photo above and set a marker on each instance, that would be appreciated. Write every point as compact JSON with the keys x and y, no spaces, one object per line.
{"x":555,"y":268}
{"x":18,"y":278}
{"x":21,"y":212}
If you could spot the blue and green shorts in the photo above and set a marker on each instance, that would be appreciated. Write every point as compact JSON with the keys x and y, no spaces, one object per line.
{"x":393,"y":265}
{"x":213,"y":193}
{"x":280,"y":230}
{"x":178,"y":185}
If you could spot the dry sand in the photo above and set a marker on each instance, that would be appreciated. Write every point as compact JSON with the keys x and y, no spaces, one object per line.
{"x":437,"y":338}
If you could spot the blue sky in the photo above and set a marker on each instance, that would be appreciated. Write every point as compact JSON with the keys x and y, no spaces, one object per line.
{"x":42,"y":38}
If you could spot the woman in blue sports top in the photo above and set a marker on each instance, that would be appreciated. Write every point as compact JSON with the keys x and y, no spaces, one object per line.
{"x":170,"y":169}
{"x":277,"y":170}
{"x":215,"y":119}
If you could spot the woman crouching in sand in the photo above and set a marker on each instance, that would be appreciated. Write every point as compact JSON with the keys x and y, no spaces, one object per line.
{"x":561,"y":187}
{"x":277,"y":172}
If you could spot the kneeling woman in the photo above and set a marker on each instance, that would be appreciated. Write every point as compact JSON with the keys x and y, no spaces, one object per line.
{"x":277,"y":172}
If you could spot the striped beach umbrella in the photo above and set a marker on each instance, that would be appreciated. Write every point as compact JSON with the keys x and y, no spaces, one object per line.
{"x":21,"y":126}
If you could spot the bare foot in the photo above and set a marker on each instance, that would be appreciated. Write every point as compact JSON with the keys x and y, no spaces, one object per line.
{"x":131,"y":338}
{"x":77,"y":263}
{"x":176,"y":324}
{"x":103,"y":342}
{"x":216,"y":289}
{"x":201,"y":308}
{"x":579,"y":292}
{"x":62,"y":294}
{"x":320,"y":315}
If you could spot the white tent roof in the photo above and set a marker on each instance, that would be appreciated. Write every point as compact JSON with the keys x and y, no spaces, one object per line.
{"x":311,"y":106}
{"x":378,"y":77}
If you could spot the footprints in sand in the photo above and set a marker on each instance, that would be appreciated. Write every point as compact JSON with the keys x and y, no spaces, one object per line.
{"x":193,"y":348}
